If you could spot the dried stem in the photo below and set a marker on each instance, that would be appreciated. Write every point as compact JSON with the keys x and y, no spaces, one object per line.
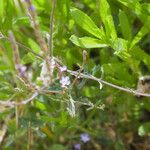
{"x":128,"y":90}
{"x":36,"y":28}
{"x":16,"y":56}
{"x":13,"y":104}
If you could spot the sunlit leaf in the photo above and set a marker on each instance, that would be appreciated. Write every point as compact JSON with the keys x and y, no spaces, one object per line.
{"x":87,"y":42}
{"x":107,"y":19}
{"x":86,"y":23}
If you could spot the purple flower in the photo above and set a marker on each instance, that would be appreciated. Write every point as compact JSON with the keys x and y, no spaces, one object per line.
{"x":62,"y":69}
{"x":31,"y":8}
{"x":65,"y":81}
{"x":77,"y":146}
{"x":21,"y":69}
{"x":85,"y":137}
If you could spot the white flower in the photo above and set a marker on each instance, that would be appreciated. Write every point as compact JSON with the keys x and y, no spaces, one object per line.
{"x":45,"y":74}
{"x":62,"y":69}
{"x":65,"y":81}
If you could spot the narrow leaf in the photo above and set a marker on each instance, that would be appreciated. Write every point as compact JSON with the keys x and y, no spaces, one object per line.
{"x":34,"y":46}
{"x":143,"y":31}
{"x":107,"y":19}
{"x":125,"y":26}
{"x":87,"y":42}
{"x":86,"y":23}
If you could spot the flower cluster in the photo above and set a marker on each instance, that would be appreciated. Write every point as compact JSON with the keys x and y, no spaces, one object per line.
{"x":30,"y":7}
{"x":62,"y":69}
{"x":46,"y":73}
{"x":84,"y":137}
{"x":65,"y":81}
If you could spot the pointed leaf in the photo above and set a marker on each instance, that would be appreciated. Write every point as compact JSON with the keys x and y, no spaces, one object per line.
{"x":87,"y":42}
{"x":143,"y":31}
{"x":107,"y":19}
{"x":125,"y":26}
{"x":86,"y":23}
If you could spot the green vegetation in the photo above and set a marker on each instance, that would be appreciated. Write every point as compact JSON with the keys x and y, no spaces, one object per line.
{"x":74,"y":74}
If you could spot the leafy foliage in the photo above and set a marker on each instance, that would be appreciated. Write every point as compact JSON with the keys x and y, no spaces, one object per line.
{"x":115,"y":35}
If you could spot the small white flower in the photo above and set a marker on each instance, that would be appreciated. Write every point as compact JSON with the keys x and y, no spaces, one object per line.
{"x":65,"y":81}
{"x":62,"y":69}
{"x":45,"y":74}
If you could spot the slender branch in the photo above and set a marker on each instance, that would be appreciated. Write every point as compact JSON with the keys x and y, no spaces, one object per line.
{"x":22,"y":45}
{"x":33,"y":19}
{"x":12,"y":104}
{"x":51,"y":28}
{"x":128,"y":90}
{"x":16,"y":56}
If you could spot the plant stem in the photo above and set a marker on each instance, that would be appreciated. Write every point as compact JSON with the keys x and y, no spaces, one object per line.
{"x":50,"y":52}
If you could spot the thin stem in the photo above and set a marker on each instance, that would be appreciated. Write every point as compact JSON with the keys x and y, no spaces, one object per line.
{"x":16,"y":56}
{"x":25,"y":47}
{"x":51,"y":28}
{"x":128,"y":90}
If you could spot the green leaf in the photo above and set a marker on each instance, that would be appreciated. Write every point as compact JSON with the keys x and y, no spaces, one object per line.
{"x":34,"y":46}
{"x":143,"y":31}
{"x":40,"y":105}
{"x":139,"y":54}
{"x":144,"y":129}
{"x":125,"y":26}
{"x":28,"y":58}
{"x":1,"y":7}
{"x":107,"y":19}
{"x":22,"y":21}
{"x":87,"y":42}
{"x":120,"y":47}
{"x":86,"y":23}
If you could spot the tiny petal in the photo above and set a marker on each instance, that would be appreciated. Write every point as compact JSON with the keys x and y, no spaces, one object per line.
{"x":65,"y":81}
{"x":31,"y":8}
{"x":62,"y":69}
{"x":85,"y":137}
{"x":21,"y":69}
{"x":77,"y":146}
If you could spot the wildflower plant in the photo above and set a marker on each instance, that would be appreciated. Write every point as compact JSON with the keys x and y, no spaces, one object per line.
{"x":62,"y":63}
